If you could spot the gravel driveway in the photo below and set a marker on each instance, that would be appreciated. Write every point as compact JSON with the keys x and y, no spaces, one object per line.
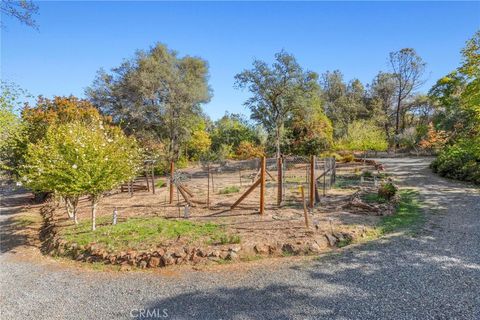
{"x":433,"y":275}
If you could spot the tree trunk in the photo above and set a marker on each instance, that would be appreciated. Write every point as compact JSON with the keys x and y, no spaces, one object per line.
{"x":277,"y":141}
{"x":397,"y":120}
{"x":94,"y":211}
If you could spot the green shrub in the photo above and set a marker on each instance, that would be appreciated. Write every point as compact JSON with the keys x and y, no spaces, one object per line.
{"x":387,"y":190}
{"x":367,"y":174}
{"x":348,"y":157}
{"x":460,"y":161}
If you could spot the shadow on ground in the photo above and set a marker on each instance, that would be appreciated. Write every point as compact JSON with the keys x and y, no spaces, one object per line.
{"x":432,"y":275}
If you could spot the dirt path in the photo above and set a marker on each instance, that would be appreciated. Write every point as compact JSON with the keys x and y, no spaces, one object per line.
{"x":433,"y":275}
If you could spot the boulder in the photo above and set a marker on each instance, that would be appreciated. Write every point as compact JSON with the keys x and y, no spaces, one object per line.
{"x":154,"y":262}
{"x":262,"y":248}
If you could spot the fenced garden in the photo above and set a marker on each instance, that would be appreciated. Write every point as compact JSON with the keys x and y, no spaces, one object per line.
{"x":230,"y":210}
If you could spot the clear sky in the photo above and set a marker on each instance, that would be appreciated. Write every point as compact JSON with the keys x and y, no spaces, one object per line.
{"x":75,"y":39}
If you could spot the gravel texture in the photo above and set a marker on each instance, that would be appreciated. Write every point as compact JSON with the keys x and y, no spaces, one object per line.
{"x":434,"y":274}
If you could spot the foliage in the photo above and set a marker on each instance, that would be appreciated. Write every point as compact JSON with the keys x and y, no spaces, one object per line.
{"x":435,"y":139}
{"x":309,"y":131}
{"x":363,"y":136}
{"x":199,"y":142}
{"x":407,"y":70}
{"x":343,"y":103}
{"x":231,"y":130}
{"x":157,"y":93}
{"x":247,"y":150}
{"x":22,"y":10}
{"x":276,"y":91}
{"x":11,"y":126}
{"x":75,"y":159}
{"x":387,"y":190}
{"x":141,"y":233}
{"x":460,"y":158}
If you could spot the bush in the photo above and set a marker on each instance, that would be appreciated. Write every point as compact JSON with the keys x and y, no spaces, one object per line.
{"x":247,"y":150}
{"x":387,"y":190}
{"x":460,"y":161}
{"x":348,"y":157}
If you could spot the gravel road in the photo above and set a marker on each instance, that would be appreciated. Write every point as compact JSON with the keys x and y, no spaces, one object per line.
{"x":433,"y":275}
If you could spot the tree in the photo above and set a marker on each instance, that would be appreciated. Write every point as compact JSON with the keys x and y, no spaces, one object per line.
{"x":22,"y":10}
{"x":75,"y":159}
{"x":155,"y":92}
{"x":407,"y":69}
{"x":343,"y":103}
{"x":11,"y":126}
{"x":309,"y":131}
{"x":381,"y":94}
{"x":231,"y":130}
{"x":460,"y":157}
{"x":276,"y":91}
{"x":363,"y":136}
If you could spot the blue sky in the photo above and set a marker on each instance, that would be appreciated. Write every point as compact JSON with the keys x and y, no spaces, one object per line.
{"x":77,"y":38}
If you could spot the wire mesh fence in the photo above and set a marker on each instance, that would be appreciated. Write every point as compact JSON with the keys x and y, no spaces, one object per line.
{"x":240,"y":184}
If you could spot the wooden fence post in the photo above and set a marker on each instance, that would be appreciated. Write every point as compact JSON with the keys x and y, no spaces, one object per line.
{"x":304,"y":207}
{"x":324,"y":177}
{"x":146,"y":179}
{"x":172,"y":170}
{"x":208,"y":186}
{"x":262,"y":185}
{"x":312,"y":182}
{"x":153,"y":179}
{"x":280,"y":181}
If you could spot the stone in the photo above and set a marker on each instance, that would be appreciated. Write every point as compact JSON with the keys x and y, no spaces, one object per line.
{"x":179,"y":253}
{"x":313,"y":247}
{"x":125,"y":267}
{"x":112,"y":258}
{"x":154,"y":262}
{"x":195,"y":259}
{"x":262,"y":248}
{"x":235,"y":248}
{"x":289,"y":248}
{"x":223,"y":254}
{"x":339,"y":236}
{"x":142,"y":264}
{"x":232,"y":255}
{"x":214,"y":253}
{"x":201,"y":252}
{"x":331,"y":239}
{"x":168,"y":260}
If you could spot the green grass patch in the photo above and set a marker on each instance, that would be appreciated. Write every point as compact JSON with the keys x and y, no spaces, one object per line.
{"x":144,"y":233}
{"x":408,"y":213}
{"x":230,"y":189}
{"x":373,"y":198}
{"x":224,"y":239}
{"x":160,"y":183}
{"x":345,"y":182}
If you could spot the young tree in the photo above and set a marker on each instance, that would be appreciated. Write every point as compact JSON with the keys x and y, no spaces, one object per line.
{"x":276,"y":91}
{"x":363,"y":136}
{"x":76,"y":159}
{"x":11,"y":126}
{"x":155,"y":92}
{"x":309,"y":131}
{"x":407,"y":69}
